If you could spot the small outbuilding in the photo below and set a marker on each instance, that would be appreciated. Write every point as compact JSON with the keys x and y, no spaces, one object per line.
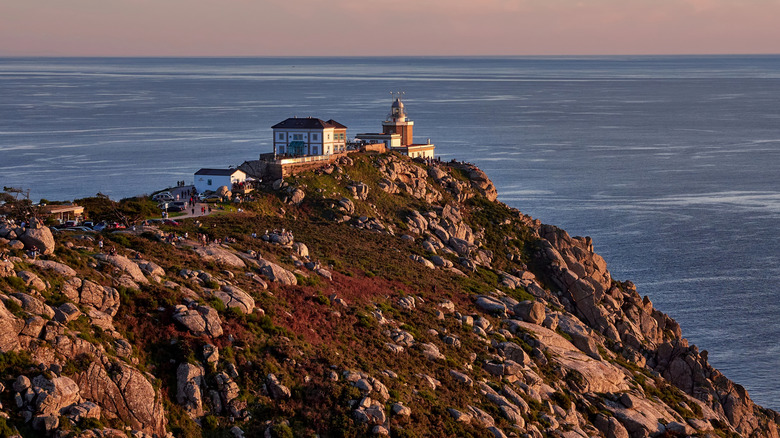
{"x":212,"y":179}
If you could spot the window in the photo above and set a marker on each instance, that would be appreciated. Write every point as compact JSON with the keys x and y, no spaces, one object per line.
{"x":314,"y":150}
{"x":297,"y":136}
{"x":208,"y":183}
{"x":314,"y":136}
{"x":281,"y":136}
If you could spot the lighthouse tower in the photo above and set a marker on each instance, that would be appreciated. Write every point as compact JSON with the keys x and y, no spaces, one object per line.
{"x":398,"y":123}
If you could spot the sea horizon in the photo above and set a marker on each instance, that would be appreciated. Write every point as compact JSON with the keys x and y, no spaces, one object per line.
{"x":667,"y":161}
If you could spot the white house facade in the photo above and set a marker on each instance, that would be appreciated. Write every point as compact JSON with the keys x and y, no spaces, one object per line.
{"x":212,"y":179}
{"x":309,"y":136}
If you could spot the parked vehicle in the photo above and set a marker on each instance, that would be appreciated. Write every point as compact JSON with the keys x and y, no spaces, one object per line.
{"x":99,"y":226}
{"x":69,"y":224}
{"x":170,"y":222}
{"x":177,"y":206}
{"x":80,"y":228}
{"x":163,"y":196}
{"x":211,"y":198}
{"x":89,"y":224}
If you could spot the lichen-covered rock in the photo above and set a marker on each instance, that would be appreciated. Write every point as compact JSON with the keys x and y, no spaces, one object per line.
{"x":359,"y":190}
{"x":39,"y":237}
{"x":461,"y":378}
{"x":482,"y":183}
{"x":6,"y":269}
{"x":151,"y":268}
{"x":189,"y":388}
{"x":490,"y":305}
{"x":430,"y":351}
{"x":235,"y":298}
{"x":66,"y":312}
{"x":123,"y":392}
{"x":80,"y":411}
{"x":199,"y":320}
{"x":34,"y":305}
{"x":530,"y":311}
{"x":276,"y":273}
{"x":219,"y":255}
{"x":103,"y":298}
{"x":54,"y":394}
{"x":32,"y":280}
{"x":10,"y":327}
{"x":125,"y":265}
{"x":276,"y":389}
{"x":62,"y":269}
{"x":346,"y":205}
{"x":597,"y":375}
{"x":297,"y":196}
{"x":301,"y":250}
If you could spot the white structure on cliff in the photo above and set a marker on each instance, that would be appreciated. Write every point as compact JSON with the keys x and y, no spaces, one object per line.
{"x":398,"y":133}
{"x":296,"y":137}
{"x":212,"y":179}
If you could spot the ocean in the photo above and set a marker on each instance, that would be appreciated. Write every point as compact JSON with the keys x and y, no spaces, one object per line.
{"x":671,"y":164}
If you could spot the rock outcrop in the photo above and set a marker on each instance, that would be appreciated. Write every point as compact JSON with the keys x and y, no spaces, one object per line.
{"x":219,"y":255}
{"x":123,"y":393}
{"x":38,"y":237}
{"x":419,"y":306}
{"x":200,"y":320}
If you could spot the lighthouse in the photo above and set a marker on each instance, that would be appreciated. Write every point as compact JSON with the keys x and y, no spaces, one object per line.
{"x":398,"y":133}
{"x":398,"y":123}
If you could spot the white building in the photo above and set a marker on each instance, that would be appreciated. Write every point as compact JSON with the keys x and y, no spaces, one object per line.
{"x":296,"y":137}
{"x":212,"y":179}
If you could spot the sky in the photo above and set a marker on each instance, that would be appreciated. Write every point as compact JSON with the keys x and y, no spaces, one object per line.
{"x":386,"y":27}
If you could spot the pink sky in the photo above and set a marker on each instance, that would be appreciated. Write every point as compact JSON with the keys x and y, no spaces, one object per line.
{"x":386,"y":27}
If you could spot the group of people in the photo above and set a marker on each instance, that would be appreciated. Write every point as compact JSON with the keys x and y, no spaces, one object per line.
{"x":111,"y":249}
{"x":205,"y":240}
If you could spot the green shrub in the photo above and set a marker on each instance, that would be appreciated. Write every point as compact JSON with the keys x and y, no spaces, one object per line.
{"x":562,"y":399}
{"x":281,"y":431}
{"x":210,"y":422}
{"x":15,"y":363}
{"x":16,"y":283}
{"x":6,"y":430}
{"x":217,"y":304}
{"x":311,"y":280}
{"x":321,"y":298}
{"x":364,"y":320}
{"x":15,"y":308}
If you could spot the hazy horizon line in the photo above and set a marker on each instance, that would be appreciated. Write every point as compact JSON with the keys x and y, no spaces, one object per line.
{"x":612,"y":55}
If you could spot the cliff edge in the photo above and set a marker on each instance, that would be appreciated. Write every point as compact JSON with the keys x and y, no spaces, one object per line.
{"x":377,"y":296}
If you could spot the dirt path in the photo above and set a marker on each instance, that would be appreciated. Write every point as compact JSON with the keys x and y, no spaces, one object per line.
{"x":183,"y":194}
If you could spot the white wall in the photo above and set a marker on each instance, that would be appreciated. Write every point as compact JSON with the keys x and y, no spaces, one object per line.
{"x":202,"y":181}
{"x":322,"y":145}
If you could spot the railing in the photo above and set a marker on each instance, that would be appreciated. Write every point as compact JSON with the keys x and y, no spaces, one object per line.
{"x":281,"y":159}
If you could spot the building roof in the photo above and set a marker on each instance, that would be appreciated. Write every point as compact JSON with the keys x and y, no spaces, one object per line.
{"x":218,"y":172}
{"x":335,"y":124}
{"x":308,"y":123}
{"x":68,"y":208}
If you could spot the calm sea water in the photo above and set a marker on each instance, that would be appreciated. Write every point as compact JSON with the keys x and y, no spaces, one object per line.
{"x":671,"y":164}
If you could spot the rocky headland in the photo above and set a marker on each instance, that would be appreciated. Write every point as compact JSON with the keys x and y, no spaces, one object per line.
{"x":378,"y":296}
